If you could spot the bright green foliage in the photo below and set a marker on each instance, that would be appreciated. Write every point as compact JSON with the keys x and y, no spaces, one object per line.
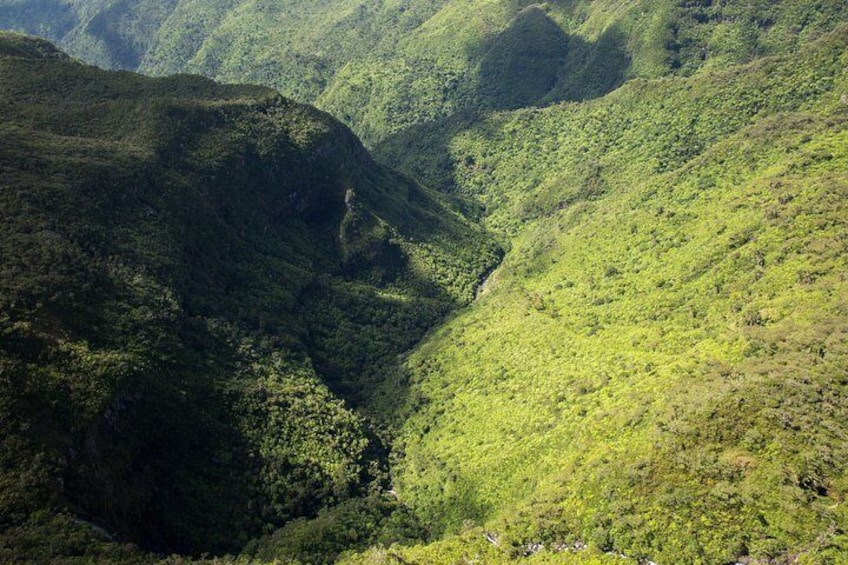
{"x":168,"y":249}
{"x":476,"y":545}
{"x":658,"y":366}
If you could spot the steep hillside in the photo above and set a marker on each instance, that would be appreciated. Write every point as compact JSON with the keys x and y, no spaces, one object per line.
{"x":192,"y":274}
{"x":385,"y":66}
{"x":658,"y":368}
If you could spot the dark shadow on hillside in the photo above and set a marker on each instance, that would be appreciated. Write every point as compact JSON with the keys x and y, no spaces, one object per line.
{"x":422,"y":151}
{"x":533,"y":62}
{"x":522,"y":62}
{"x":383,"y":301}
{"x":592,"y":69}
{"x":127,"y":28}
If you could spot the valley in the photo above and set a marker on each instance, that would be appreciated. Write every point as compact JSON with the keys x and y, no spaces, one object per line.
{"x":233,"y":330}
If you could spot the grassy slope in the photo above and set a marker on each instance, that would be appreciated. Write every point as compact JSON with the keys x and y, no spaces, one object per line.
{"x":185,"y":268}
{"x":658,"y":366}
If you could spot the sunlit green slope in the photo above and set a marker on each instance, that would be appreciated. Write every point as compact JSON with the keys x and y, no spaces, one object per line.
{"x":658,"y":368}
{"x":198,"y":285}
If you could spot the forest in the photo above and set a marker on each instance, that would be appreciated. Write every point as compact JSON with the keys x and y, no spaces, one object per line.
{"x":486,"y":282}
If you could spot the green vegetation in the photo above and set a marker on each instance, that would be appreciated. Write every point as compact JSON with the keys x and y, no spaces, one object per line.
{"x":658,"y":366}
{"x":185,"y":271}
{"x":227,"y":329}
{"x":385,"y":66}
{"x":353,"y":524}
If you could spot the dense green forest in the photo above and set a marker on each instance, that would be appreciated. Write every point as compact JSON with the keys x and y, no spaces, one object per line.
{"x":192,"y":274}
{"x":229,"y":330}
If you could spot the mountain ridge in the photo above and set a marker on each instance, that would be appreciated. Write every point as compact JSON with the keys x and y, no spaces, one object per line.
{"x":341,"y":55}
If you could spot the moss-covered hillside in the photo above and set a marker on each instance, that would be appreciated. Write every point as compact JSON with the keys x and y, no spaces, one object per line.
{"x":198,"y":285}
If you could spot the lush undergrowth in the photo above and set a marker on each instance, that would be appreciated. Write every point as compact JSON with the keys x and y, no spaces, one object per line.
{"x":191,"y":274}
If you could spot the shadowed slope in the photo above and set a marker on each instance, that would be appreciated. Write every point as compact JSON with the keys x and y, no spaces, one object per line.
{"x":169,"y":250}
